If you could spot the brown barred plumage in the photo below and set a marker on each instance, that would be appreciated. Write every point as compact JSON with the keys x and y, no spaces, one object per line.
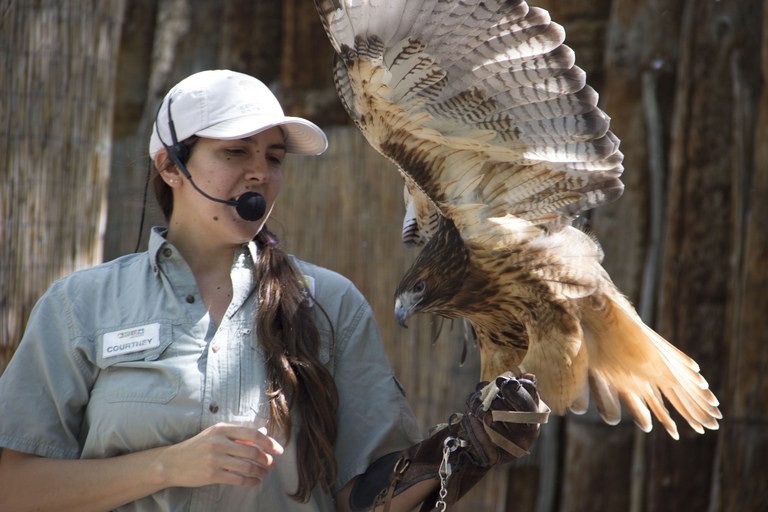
{"x":501,"y":145}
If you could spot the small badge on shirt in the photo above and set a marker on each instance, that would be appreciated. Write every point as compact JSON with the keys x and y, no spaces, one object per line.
{"x":127,"y":341}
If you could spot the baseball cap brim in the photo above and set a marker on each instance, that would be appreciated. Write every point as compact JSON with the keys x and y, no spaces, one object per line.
{"x":302,"y":137}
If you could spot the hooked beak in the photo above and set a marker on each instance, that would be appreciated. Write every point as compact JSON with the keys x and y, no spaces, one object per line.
{"x":402,"y":312}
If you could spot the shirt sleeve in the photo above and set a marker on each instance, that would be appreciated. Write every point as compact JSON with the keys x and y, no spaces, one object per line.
{"x":45,"y":388}
{"x":374,"y":417}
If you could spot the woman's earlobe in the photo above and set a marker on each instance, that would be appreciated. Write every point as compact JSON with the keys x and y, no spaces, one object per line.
{"x":171,"y":178}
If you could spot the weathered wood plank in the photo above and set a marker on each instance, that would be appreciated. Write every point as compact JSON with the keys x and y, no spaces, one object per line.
{"x":715,"y":63}
{"x":745,"y":433}
{"x":56,"y":98}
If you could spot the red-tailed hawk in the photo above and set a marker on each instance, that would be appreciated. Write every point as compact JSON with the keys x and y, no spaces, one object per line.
{"x":501,"y":145}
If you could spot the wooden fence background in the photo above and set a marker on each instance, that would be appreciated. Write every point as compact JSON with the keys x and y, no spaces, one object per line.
{"x":683,"y":80}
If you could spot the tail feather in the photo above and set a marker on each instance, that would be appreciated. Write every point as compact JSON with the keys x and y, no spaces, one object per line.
{"x":655,"y":402}
{"x":630,"y":362}
{"x":606,"y":397}
{"x":698,"y":415}
{"x":638,"y":410}
{"x":689,"y":413}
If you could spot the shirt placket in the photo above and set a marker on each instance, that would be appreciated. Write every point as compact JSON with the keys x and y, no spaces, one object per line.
{"x":227,"y":353}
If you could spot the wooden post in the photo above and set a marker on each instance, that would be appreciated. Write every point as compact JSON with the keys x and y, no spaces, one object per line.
{"x":56,"y":96}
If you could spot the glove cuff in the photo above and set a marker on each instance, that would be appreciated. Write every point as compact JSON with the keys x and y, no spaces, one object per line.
{"x":423,"y":461}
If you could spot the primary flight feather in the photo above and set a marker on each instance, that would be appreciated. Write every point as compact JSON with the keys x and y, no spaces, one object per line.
{"x":501,"y":145}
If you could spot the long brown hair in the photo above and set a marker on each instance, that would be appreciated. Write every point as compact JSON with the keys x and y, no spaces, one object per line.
{"x":291,"y":344}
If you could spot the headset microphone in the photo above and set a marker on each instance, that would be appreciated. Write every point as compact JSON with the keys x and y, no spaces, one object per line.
{"x":249,"y":206}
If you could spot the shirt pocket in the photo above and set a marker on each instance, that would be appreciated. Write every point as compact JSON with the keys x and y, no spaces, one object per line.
{"x":146,"y":376}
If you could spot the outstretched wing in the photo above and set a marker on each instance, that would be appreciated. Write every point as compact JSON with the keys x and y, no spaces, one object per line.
{"x":477,"y":102}
{"x":501,"y":145}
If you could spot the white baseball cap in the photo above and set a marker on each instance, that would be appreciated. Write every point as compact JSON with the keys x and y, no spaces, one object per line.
{"x":227,"y":105}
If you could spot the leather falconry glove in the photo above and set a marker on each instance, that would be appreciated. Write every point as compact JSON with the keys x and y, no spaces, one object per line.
{"x":500,"y":423}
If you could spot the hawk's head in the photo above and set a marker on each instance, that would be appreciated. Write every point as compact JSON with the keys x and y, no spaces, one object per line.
{"x":435,"y":277}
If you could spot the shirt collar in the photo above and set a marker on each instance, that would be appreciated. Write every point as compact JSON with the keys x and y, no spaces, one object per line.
{"x":242,"y":267}
{"x":253,"y":248}
{"x":156,"y":242}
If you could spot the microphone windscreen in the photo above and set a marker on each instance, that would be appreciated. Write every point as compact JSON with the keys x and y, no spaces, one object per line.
{"x":251,"y":206}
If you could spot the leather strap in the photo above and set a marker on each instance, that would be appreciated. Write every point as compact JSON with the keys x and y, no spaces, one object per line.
{"x":540,"y":416}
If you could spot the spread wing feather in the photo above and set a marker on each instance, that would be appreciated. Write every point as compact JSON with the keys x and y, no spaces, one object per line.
{"x":501,"y":145}
{"x":526,"y":103}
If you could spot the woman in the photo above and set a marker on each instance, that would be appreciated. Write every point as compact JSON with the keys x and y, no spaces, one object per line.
{"x":214,"y":371}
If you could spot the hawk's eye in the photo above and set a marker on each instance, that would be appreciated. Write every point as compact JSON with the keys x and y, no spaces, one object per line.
{"x":419,"y":287}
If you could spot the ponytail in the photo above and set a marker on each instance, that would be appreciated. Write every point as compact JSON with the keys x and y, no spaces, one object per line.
{"x":296,"y":378}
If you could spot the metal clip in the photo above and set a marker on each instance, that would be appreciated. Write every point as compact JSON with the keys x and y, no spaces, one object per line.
{"x":450,"y":445}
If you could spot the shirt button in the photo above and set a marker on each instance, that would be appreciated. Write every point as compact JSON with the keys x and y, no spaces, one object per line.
{"x":190,"y":299}
{"x":215,"y":348}
{"x":213,"y":408}
{"x":167,"y":252}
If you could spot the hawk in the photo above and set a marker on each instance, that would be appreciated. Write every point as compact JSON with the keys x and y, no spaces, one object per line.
{"x":501,"y":146}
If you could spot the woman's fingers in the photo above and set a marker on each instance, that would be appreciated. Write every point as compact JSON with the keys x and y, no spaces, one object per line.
{"x":224,"y":454}
{"x":255,"y":437}
{"x":251,"y":454}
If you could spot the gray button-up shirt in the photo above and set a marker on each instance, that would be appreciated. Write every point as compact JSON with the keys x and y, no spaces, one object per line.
{"x":123,"y":357}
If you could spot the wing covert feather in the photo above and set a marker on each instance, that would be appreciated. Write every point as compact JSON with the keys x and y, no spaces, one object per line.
{"x":477,"y":93}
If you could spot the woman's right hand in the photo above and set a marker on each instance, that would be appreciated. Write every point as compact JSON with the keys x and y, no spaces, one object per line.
{"x":221,"y":454}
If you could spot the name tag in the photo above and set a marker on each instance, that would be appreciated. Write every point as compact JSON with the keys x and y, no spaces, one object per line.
{"x":127,"y":341}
